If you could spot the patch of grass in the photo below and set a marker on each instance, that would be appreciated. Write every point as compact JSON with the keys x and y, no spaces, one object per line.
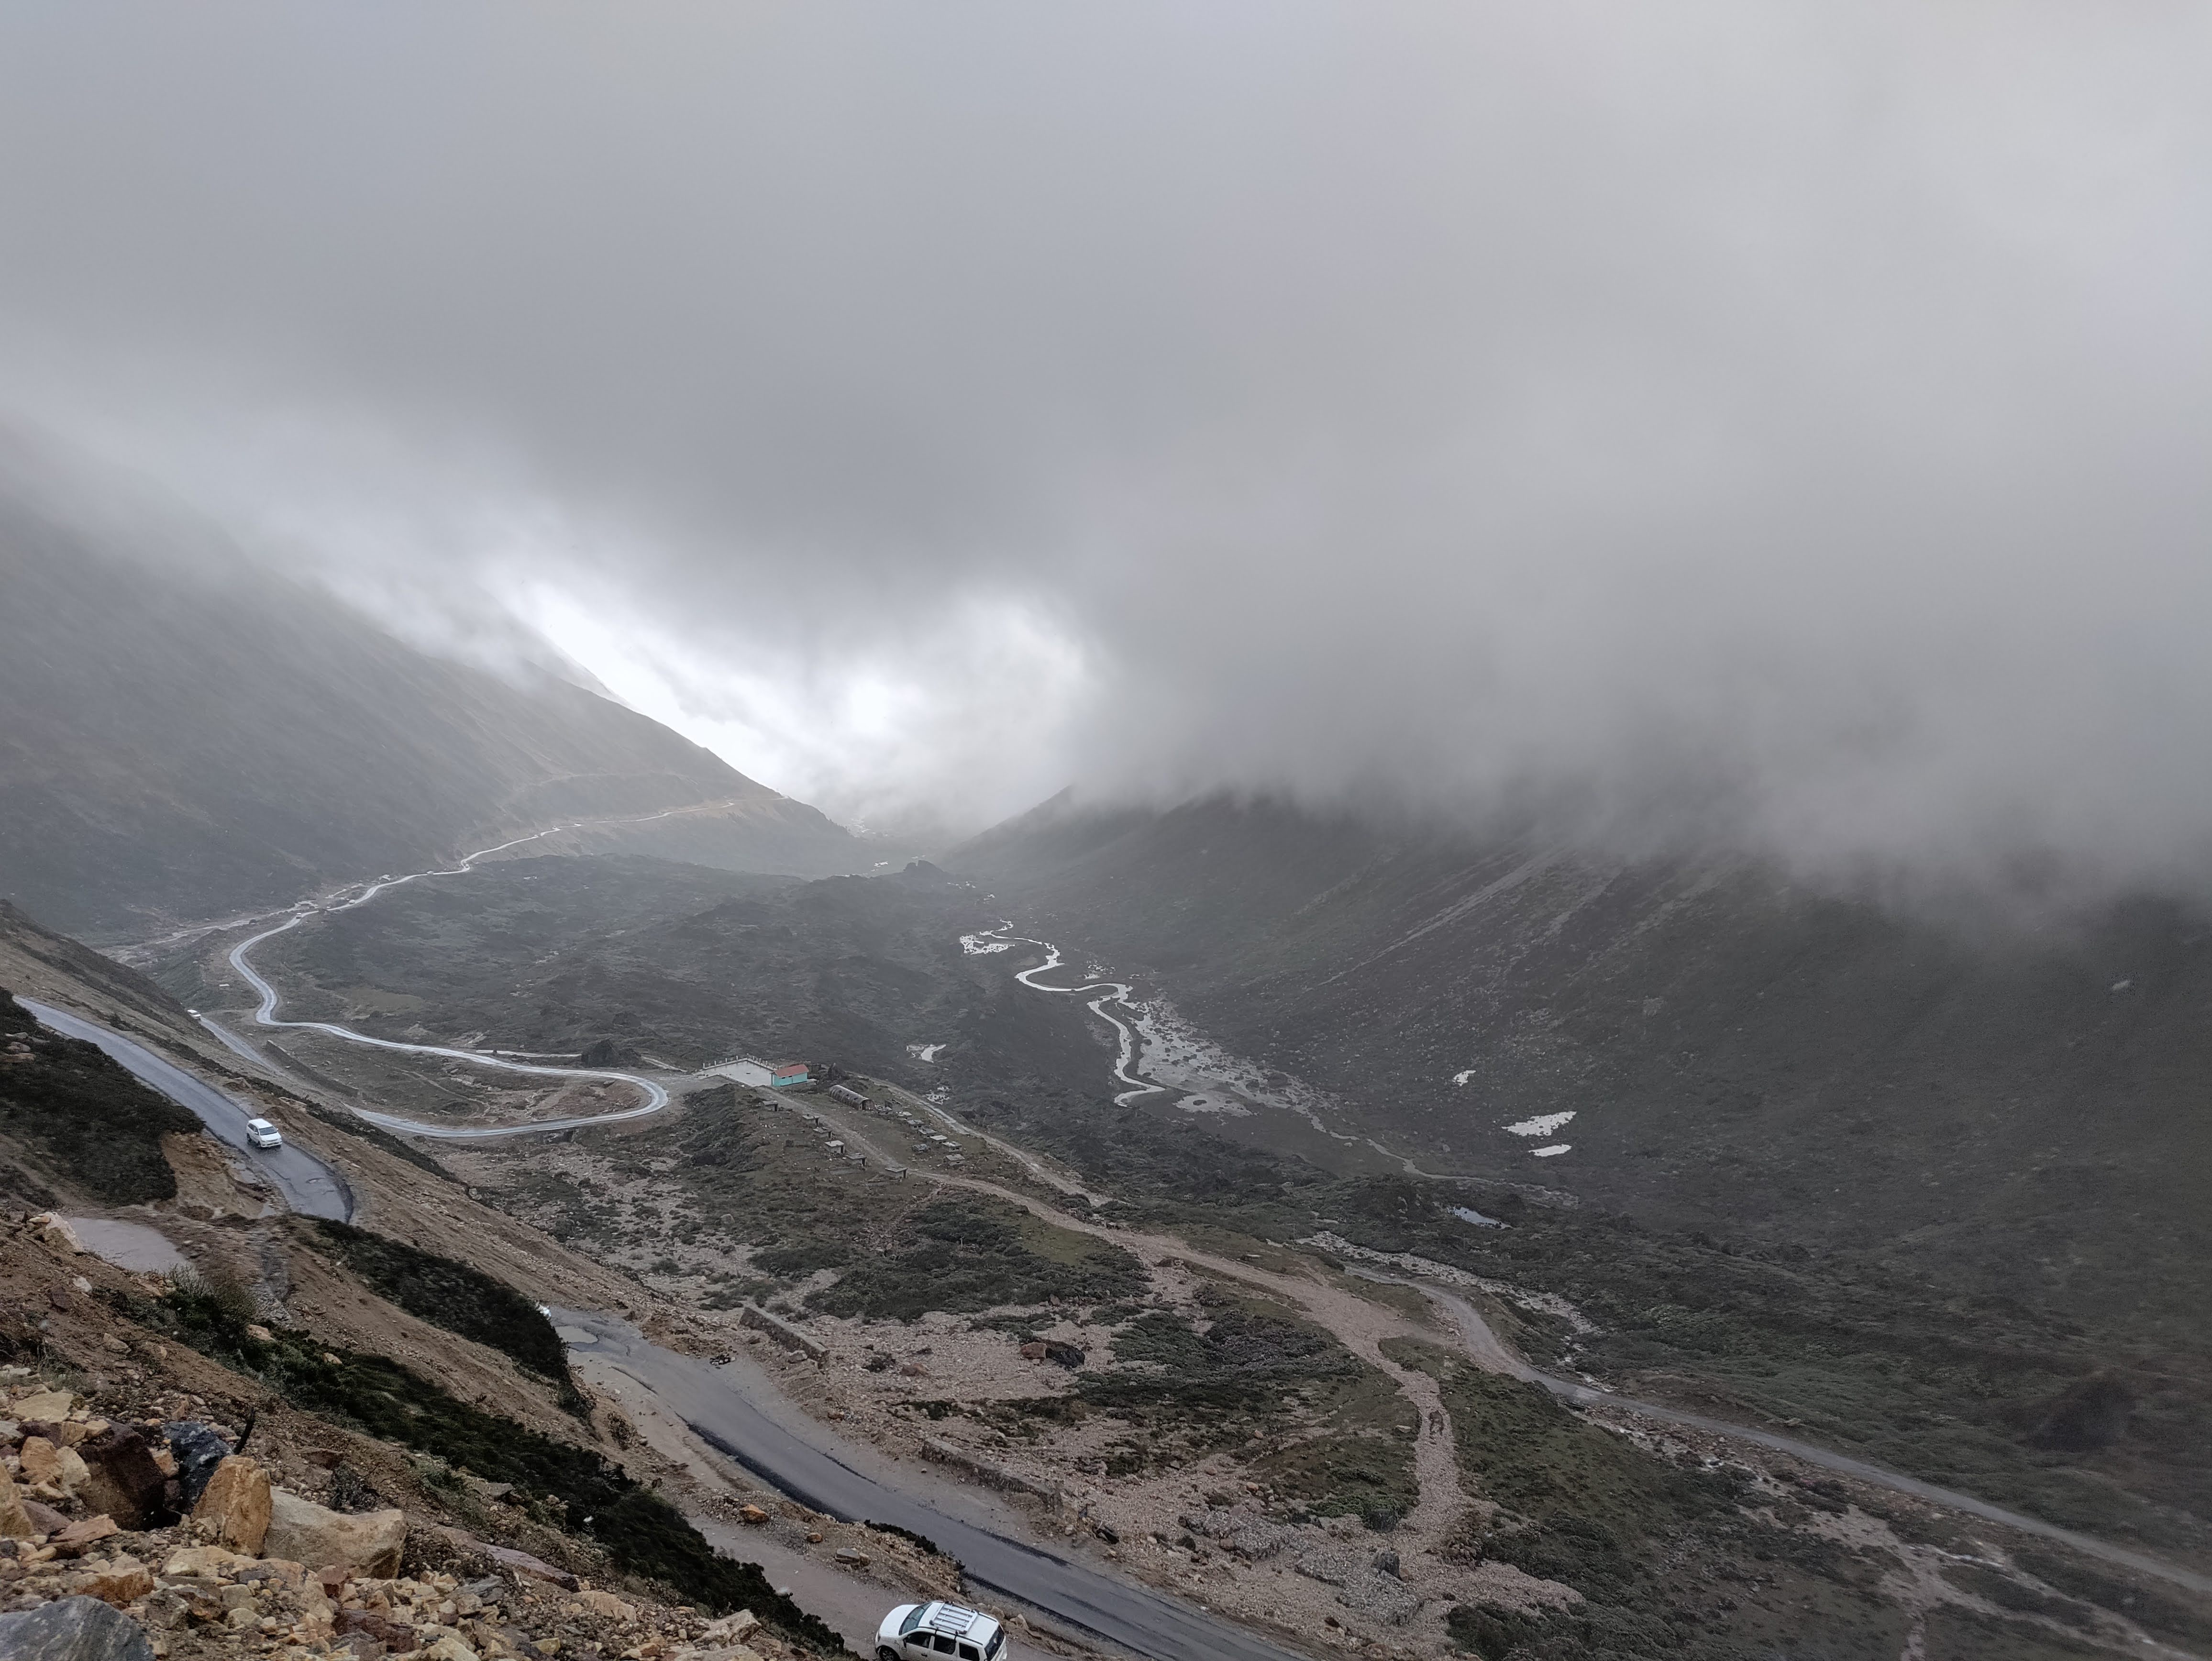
{"x":376,"y":1136}
{"x":2162,"y":1614}
{"x":969,"y":1254}
{"x":454,"y":1295}
{"x":1668,"y":1562}
{"x":642,"y":1532}
{"x":1992,"y":1586}
{"x":80,"y":1113}
{"x":1221,"y":1387}
{"x":1964,"y":1634}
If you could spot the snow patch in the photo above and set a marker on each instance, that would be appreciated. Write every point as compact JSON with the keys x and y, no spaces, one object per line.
{"x":1468,"y":1215}
{"x":1462,"y":1078}
{"x":1554,"y":1149}
{"x":1541,"y":1126}
{"x":924,"y":1052}
{"x":981,"y":946}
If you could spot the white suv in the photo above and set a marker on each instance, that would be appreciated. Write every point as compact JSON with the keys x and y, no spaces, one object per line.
{"x":914,"y":1630}
{"x":262,"y":1133}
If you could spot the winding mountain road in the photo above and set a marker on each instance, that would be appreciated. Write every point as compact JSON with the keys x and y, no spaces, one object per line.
{"x":308,"y":1185}
{"x":856,"y":1483}
{"x":655,"y":1094}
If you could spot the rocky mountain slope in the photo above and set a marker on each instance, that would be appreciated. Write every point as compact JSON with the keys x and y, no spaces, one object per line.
{"x":187,"y":736}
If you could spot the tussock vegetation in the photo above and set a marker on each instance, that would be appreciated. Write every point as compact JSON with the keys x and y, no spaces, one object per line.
{"x":967,"y":1254}
{"x":1251,"y":1371}
{"x":642,"y":1532}
{"x":80,"y":1114}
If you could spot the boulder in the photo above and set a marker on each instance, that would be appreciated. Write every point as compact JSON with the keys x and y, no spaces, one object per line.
{"x":73,"y":1629}
{"x":367,"y":1543}
{"x":124,"y":1481}
{"x":44,"y":1519}
{"x":41,"y":1461}
{"x":197,"y":1451}
{"x":14,"y":1521}
{"x":375,"y":1625}
{"x":606,"y":1603}
{"x":55,"y":1230}
{"x":200,"y":1559}
{"x":751,"y":1516}
{"x":447,"y":1647}
{"x":52,"y":1405}
{"x":523,"y":1563}
{"x":124,"y":1581}
{"x":81,"y":1536}
{"x":730,"y":1628}
{"x":237,"y":1504}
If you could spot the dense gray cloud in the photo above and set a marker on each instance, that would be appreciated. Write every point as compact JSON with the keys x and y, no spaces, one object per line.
{"x":1778,"y":424}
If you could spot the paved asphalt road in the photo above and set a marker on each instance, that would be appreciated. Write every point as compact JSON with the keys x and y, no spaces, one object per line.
{"x":1070,"y":1592}
{"x":308,"y":1185}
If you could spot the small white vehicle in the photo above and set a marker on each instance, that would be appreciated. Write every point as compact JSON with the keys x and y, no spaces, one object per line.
{"x":262,"y":1133}
{"x":914,"y":1630}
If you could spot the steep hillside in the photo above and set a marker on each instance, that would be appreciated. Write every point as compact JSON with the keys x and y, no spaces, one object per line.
{"x":1739,"y":1055}
{"x":184,"y":737}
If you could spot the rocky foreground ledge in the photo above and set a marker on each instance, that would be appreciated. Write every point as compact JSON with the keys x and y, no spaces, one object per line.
{"x":253,"y":1568}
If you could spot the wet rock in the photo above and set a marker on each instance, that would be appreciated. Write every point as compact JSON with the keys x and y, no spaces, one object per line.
{"x":124,"y":1480}
{"x":197,"y":1451}
{"x":73,"y":1629}
{"x":237,"y":1504}
{"x":368,"y":1542}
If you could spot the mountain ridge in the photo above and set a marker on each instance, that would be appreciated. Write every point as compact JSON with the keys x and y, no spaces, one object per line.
{"x":187,"y":736}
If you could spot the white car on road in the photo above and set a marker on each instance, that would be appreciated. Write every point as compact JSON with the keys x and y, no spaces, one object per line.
{"x":262,"y":1133}
{"x":914,"y":1630}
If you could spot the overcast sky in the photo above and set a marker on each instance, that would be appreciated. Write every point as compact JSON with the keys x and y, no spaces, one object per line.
{"x":1780,"y":423}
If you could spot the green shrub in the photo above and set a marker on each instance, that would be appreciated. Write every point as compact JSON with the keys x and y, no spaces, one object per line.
{"x":453,"y":1295}
{"x":89,"y":1120}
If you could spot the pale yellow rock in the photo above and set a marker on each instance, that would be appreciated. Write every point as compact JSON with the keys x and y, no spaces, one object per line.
{"x":605,"y":1603}
{"x":122,"y":1581}
{"x":201,"y":1560}
{"x":368,"y":1542}
{"x":48,"y":1406}
{"x":730,"y":1628}
{"x":447,"y":1647}
{"x":236,"y":1504}
{"x":57,"y":1233}
{"x":14,"y":1521}
{"x":58,"y":1467}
